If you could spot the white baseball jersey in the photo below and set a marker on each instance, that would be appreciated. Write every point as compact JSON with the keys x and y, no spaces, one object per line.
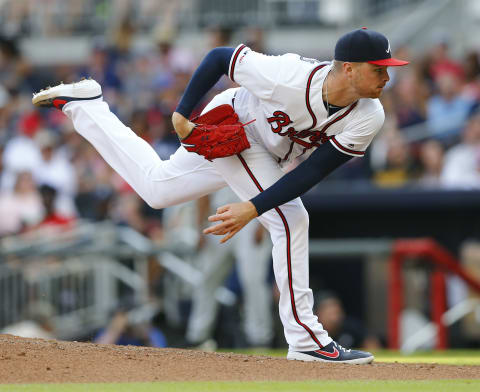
{"x":284,"y":95}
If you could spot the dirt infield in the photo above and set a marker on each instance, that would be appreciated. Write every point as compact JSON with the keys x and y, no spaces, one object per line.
{"x":38,"y":361}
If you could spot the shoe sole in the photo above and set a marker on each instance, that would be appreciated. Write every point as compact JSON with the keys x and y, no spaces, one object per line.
{"x":296,"y":356}
{"x":83,"y":90}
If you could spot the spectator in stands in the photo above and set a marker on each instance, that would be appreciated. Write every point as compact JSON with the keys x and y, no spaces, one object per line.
{"x":441,"y":62}
{"x":164,"y":141}
{"x":471,"y":88}
{"x":52,"y":218}
{"x":123,"y":36}
{"x":95,"y":195}
{"x":129,"y":211}
{"x":101,"y":67}
{"x":169,"y":59}
{"x":5,"y":102}
{"x":220,"y":35}
{"x":255,"y":39}
{"x":342,"y":328}
{"x":21,"y":153}
{"x":409,"y":100}
{"x":15,"y":70}
{"x":397,"y":168}
{"x":55,"y":170}
{"x":447,"y":110}
{"x":2,"y":171}
{"x":154,"y":126}
{"x":138,"y":84}
{"x":431,"y":159}
{"x":95,"y":204}
{"x":122,"y":330}
{"x":21,"y":208}
{"x":462,"y":162}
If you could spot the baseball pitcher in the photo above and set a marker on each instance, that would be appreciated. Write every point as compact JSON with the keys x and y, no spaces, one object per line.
{"x":287,"y":106}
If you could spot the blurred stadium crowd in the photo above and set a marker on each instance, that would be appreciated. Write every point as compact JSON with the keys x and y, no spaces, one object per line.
{"x":50,"y":176}
{"x":431,"y":136}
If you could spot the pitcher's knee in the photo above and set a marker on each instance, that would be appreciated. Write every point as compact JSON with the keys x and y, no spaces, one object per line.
{"x":158,"y":200}
{"x":155,"y":204}
{"x":155,"y":200}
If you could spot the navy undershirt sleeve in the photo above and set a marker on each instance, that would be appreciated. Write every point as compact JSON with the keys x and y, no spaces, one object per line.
{"x":213,"y":66}
{"x":295,"y":183}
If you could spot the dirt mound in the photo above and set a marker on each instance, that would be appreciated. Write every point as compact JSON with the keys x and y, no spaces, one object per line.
{"x":38,"y":360}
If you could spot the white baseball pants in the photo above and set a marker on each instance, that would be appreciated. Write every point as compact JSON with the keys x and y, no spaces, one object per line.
{"x":187,"y":176}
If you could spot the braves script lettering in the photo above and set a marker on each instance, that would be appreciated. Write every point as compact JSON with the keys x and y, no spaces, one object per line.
{"x":281,"y":120}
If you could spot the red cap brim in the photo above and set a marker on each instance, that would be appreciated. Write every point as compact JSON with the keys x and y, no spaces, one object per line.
{"x":389,"y":62}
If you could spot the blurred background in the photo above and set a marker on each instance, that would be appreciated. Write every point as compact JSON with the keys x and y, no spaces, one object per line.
{"x":395,"y":257}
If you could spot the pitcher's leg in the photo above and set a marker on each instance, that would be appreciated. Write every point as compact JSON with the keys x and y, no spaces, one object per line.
{"x":290,"y":264}
{"x":255,"y":170}
{"x":183,"y":177}
{"x":288,"y":226}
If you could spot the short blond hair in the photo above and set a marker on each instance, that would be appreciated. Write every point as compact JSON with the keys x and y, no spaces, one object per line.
{"x":337,"y":65}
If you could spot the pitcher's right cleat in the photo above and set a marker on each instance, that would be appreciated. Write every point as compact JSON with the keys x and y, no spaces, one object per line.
{"x":334,"y":353}
{"x":58,"y":96}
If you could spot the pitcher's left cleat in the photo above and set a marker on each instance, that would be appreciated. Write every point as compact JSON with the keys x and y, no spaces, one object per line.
{"x":58,"y":96}
{"x":334,"y":353}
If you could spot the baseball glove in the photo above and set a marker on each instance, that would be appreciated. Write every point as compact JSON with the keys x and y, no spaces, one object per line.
{"x":217,"y":134}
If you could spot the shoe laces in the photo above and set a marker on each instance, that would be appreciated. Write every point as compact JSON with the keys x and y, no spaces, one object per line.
{"x":341,"y":347}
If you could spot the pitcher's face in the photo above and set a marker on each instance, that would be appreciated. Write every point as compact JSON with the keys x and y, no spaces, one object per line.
{"x":368,"y":80}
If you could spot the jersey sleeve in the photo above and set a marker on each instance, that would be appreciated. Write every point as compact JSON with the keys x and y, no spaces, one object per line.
{"x":355,"y":139}
{"x":255,"y":71}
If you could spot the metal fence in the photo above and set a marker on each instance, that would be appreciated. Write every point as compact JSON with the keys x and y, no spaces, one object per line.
{"x":82,"y":275}
{"x":79,"y":293}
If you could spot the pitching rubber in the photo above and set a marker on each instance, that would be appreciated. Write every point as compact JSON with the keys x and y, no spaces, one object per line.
{"x":298,"y":356}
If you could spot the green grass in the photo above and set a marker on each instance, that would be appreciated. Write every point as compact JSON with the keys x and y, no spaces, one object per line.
{"x":456,"y":357}
{"x":451,"y":357}
{"x":330,"y":386}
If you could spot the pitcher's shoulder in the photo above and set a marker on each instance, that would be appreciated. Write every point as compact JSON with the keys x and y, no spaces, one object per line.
{"x":369,"y":111}
{"x":370,"y":107}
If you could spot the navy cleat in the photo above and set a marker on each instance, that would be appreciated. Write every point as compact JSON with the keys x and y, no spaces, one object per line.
{"x":334,"y":353}
{"x":58,"y":96}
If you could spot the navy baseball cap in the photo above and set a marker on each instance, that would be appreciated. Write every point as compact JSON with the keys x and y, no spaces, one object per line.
{"x":368,"y":46}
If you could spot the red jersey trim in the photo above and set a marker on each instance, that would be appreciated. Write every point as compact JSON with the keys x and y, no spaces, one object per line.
{"x":307,"y":95}
{"x":234,"y":60}
{"x":344,"y":149}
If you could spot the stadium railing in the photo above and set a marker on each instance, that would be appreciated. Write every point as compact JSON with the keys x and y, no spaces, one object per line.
{"x":80,"y":274}
{"x":429,"y":251}
{"x":397,"y":253}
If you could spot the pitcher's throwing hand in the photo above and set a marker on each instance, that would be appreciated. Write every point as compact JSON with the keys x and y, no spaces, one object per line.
{"x":232,"y":217}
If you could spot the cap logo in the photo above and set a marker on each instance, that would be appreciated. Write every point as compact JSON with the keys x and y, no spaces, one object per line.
{"x":366,"y":46}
